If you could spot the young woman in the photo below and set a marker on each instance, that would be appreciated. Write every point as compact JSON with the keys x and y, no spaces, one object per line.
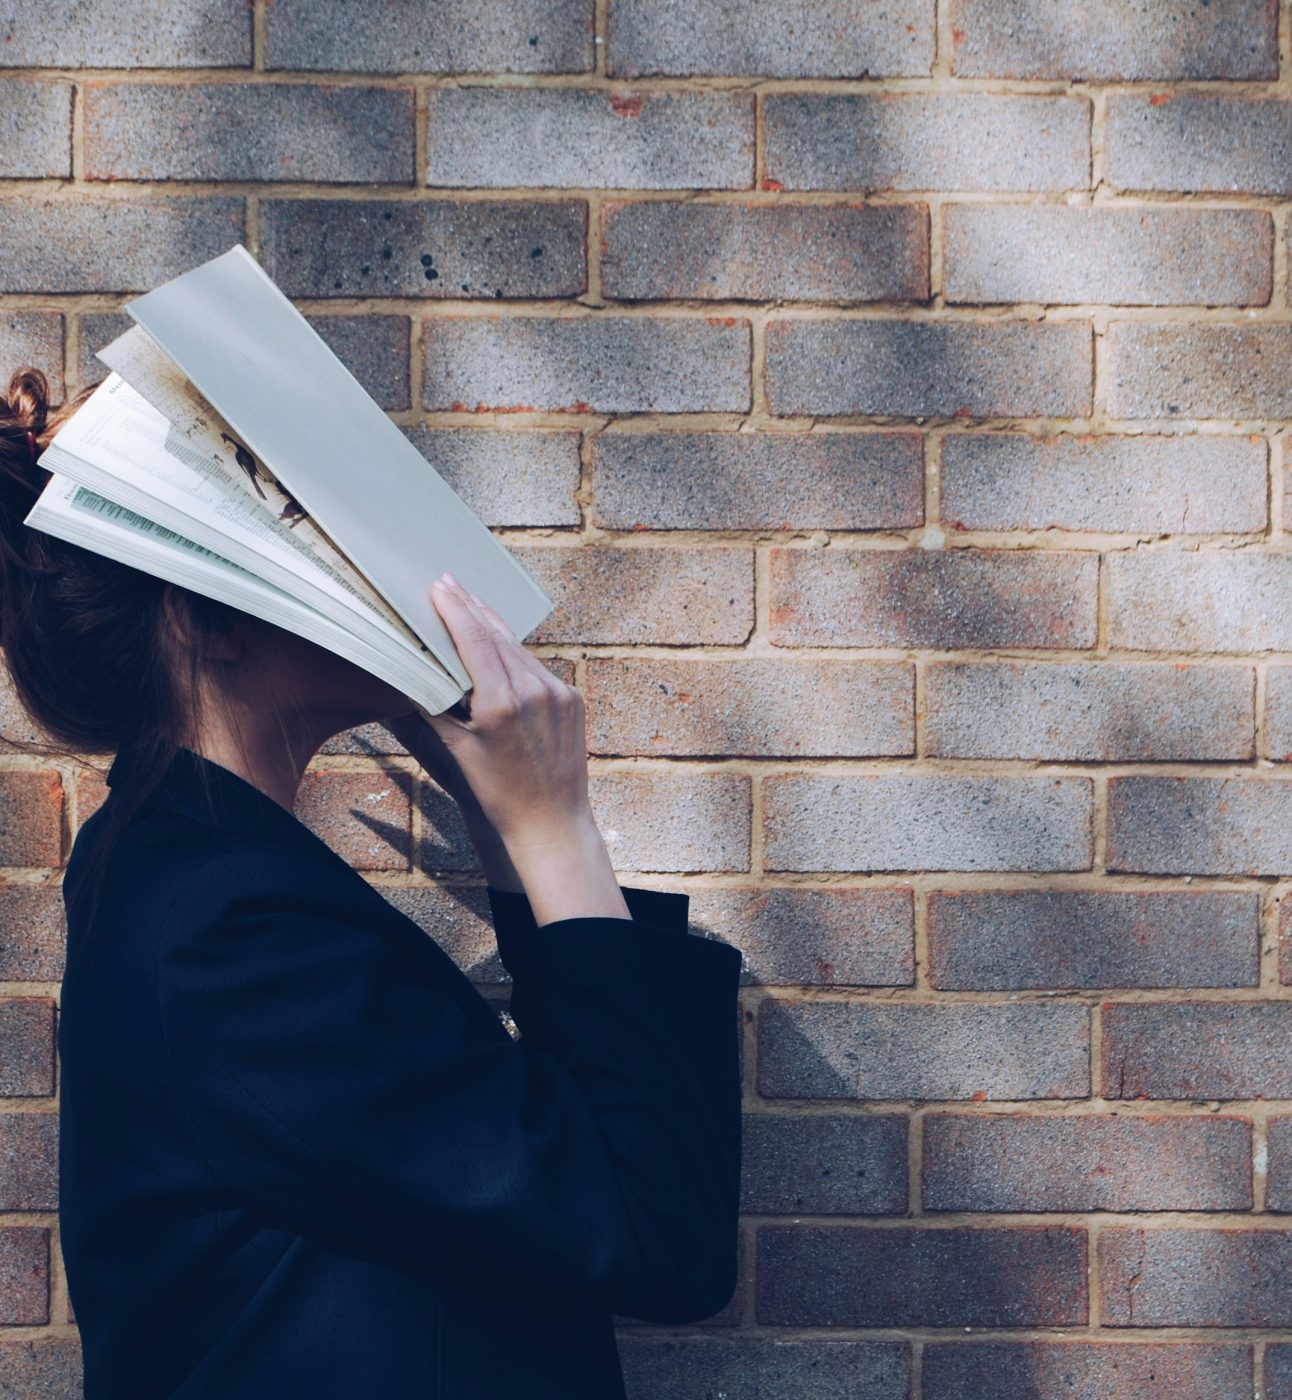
{"x":300,"y":1155}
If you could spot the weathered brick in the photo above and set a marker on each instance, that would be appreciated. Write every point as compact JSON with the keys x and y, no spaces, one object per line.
{"x":917,"y":1276}
{"x":927,"y":821}
{"x":31,"y":810}
{"x":677,"y":597}
{"x":766,"y":252}
{"x":369,"y":740}
{"x":91,"y":794}
{"x":1113,"y":39}
{"x":374,"y":349}
{"x":426,"y":249}
{"x":933,"y":598}
{"x":1012,"y":1162}
{"x":790,"y":936}
{"x":872,"y":1050}
{"x":1160,"y":484}
{"x":1198,"y":141}
{"x":32,"y":933}
{"x":1164,"y":1277}
{"x":680,"y":1368}
{"x":44,"y":1369}
{"x":910,"y":369}
{"x":1198,"y":371}
{"x":453,"y":36}
{"x":1278,"y":713}
{"x":28,"y":1161}
{"x":33,"y":338}
{"x":1072,"y":1370}
{"x":673,"y":820}
{"x":457,"y":918}
{"x":828,"y":480}
{"x":35,"y":129}
{"x":499,"y":138}
{"x":1107,"y":711}
{"x":833,"y":39}
{"x":365,"y":817}
{"x":750,"y":705}
{"x":97,"y":329}
{"x":133,"y":34}
{"x":507,"y":477}
{"x":1206,"y":600}
{"x":26,"y":1047}
{"x":24,"y":1275}
{"x":105,"y":244}
{"x":1150,"y":256}
{"x":1278,"y":1185}
{"x":248,"y":131}
{"x":587,"y":364}
{"x":1197,"y":1050}
{"x":1285,"y":939}
{"x":816,"y":1164}
{"x":926,"y":141}
{"x":1200,"y":826}
{"x":999,"y":940}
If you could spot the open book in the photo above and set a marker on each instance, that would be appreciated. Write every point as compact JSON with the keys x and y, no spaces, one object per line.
{"x":231,"y":452}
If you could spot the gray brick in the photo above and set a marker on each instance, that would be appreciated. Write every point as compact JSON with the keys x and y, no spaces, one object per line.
{"x":1216,"y":601}
{"x":925,"y":821}
{"x":1200,"y":826}
{"x":910,"y":369}
{"x":918,"y":1276}
{"x":1002,"y":940}
{"x":45,"y":1369}
{"x":772,"y":1369}
{"x":28,"y":1161}
{"x":1199,"y":371}
{"x":1278,"y":1371}
{"x":26,"y":1047}
{"x":497,"y":138}
{"x":815,"y":1164}
{"x":1009,"y":1162}
{"x":762,"y":252}
{"x":1114,"y":39}
{"x":507,"y":477}
{"x":34,"y":338}
{"x":1111,"y":711}
{"x":1199,"y":141}
{"x":750,"y":705}
{"x":1197,"y":1050}
{"x":105,"y":244}
{"x":1143,"y":484}
{"x":829,"y":39}
{"x":582,"y":364}
{"x":1278,"y":1187}
{"x":1147,"y":256}
{"x":753,"y":481}
{"x":97,"y":329}
{"x":426,"y":249}
{"x":374,"y":349}
{"x":673,"y":821}
{"x":132,"y":34}
{"x":926,"y":141}
{"x":24,"y":1276}
{"x":248,"y":131}
{"x":367,"y":740}
{"x":797,"y":937}
{"x":1278,"y":713}
{"x":32,"y":931}
{"x":451,"y":36}
{"x":35,"y":128}
{"x":933,"y":598}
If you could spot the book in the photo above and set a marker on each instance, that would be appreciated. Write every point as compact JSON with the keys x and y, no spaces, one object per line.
{"x":231,"y":452}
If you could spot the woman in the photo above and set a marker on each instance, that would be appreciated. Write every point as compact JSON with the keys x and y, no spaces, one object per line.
{"x":300,"y":1155}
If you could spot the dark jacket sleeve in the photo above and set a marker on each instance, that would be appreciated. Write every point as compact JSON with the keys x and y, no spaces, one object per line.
{"x":344,"y":1090}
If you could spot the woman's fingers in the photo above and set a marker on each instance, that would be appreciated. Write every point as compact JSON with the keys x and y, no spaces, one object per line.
{"x":511,"y":656}
{"x":510,"y":641}
{"x":475,"y":640}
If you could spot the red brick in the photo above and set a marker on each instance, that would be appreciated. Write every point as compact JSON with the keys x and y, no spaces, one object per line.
{"x":45,"y":1369}
{"x":31,"y":816}
{"x":24,"y":1275}
{"x":364,"y":817}
{"x":91,"y":793}
{"x":28,"y":1161}
{"x":32,"y":933}
{"x":26,"y":1047}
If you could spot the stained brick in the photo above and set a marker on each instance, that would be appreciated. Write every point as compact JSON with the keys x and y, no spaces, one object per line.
{"x":374,"y":349}
{"x":1200,"y":826}
{"x":750,"y":706}
{"x":1278,"y":1186}
{"x":752,"y":481}
{"x":1160,"y":484}
{"x":132,"y":34}
{"x":932,"y":598}
{"x":428,"y":249}
{"x":913,"y":1276}
{"x":44,"y":1369}
{"x":998,"y":940}
{"x":365,"y":817}
{"x":33,"y":338}
{"x":103,"y":244}
{"x":32,"y":933}
{"x":28,"y":1161}
{"x":910,"y":369}
{"x":31,"y":808}
{"x":1107,"y":711}
{"x":1164,"y":1277}
{"x":927,"y":141}
{"x":869,"y":1050}
{"x":1197,"y":1050}
{"x":1150,"y":256}
{"x":35,"y":129}
{"x":816,"y":1164}
{"x":765,"y":252}
{"x":679,"y":1368}
{"x":1113,"y":39}
{"x":507,"y":477}
{"x":24,"y":1275}
{"x":1009,"y":1162}
{"x":499,"y":138}
{"x":587,"y":364}
{"x":673,"y":820}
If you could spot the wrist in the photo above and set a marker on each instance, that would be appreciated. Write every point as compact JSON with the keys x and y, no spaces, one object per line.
{"x":567,"y":872}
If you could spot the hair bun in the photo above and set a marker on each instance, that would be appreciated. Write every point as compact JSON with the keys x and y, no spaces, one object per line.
{"x":25,"y":404}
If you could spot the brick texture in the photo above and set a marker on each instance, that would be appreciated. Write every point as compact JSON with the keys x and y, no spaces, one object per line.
{"x":35,"y":129}
{"x":817,"y":1164}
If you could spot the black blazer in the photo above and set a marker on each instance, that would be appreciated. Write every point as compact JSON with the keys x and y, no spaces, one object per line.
{"x":300,"y":1154}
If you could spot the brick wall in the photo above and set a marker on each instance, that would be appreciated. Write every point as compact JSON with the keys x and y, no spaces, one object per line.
{"x":893,"y":397}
